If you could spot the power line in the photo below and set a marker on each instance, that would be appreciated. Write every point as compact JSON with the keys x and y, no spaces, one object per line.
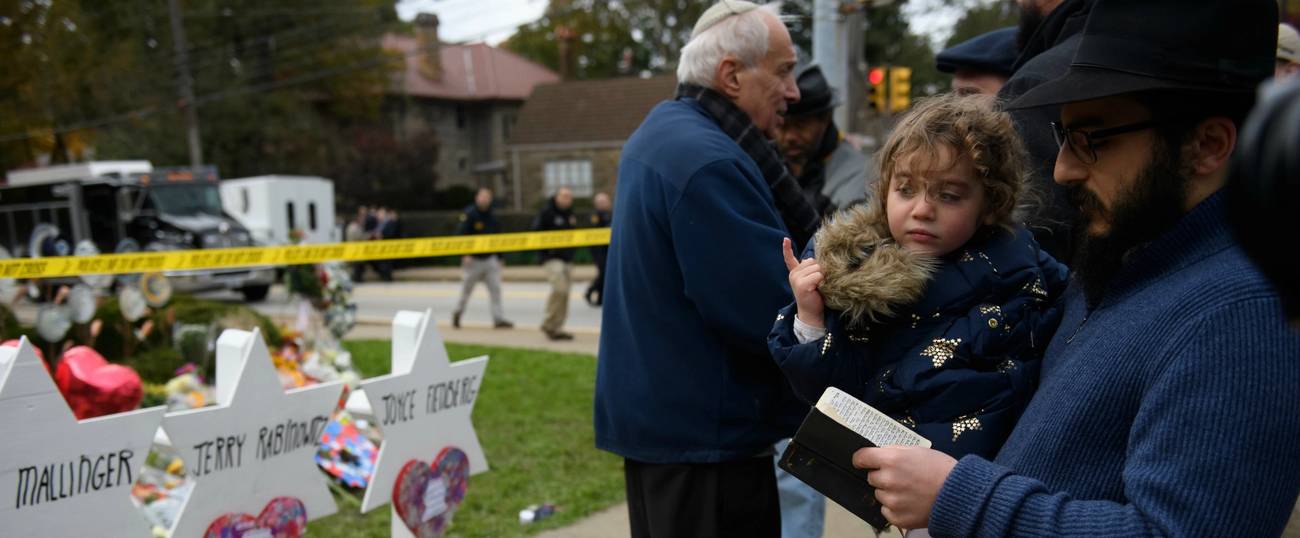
{"x":209,"y":98}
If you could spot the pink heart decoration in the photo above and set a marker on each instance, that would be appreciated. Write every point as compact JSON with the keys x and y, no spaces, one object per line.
{"x":283,"y":517}
{"x":426,"y":496}
{"x":94,"y":386}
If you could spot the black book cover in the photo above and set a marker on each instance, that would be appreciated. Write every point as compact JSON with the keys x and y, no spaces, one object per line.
{"x":821,"y":455}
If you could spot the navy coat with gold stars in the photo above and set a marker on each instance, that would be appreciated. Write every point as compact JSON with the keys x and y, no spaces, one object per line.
{"x":950,"y":347}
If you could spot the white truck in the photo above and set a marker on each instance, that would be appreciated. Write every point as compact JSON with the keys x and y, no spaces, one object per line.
{"x":125,"y":206}
{"x":272,"y":207}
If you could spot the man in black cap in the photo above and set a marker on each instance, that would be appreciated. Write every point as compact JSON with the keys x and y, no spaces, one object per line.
{"x":831,"y":172}
{"x":981,"y":64}
{"x":1168,"y":397}
{"x":1048,"y":38}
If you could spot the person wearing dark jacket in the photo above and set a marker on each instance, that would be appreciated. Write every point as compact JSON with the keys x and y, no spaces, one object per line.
{"x":1048,"y":39}
{"x":557,"y":215}
{"x":1167,"y":401}
{"x":831,"y":172}
{"x":388,"y":228}
{"x":478,"y":218}
{"x":686,"y":392}
{"x":600,"y":218}
{"x":939,"y":310}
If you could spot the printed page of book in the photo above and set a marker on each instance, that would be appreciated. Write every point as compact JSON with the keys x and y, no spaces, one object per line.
{"x":866,"y":421}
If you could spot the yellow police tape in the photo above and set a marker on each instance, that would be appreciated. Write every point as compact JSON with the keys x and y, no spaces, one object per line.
{"x":221,"y":258}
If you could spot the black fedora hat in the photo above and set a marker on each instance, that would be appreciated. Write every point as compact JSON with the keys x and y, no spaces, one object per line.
{"x":816,"y":96}
{"x":1210,"y":46}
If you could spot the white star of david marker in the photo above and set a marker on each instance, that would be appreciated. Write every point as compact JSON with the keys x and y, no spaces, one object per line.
{"x":258,"y":443}
{"x":423,"y":406}
{"x":58,"y":476}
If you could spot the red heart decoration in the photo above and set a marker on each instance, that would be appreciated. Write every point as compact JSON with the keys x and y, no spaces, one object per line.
{"x":94,"y":386}
{"x":283,"y":517}
{"x":426,"y":497}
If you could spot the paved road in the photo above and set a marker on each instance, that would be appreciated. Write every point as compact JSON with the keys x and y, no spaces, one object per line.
{"x":524,"y":303}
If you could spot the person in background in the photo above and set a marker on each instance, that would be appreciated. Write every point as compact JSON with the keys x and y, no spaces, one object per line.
{"x":1263,"y":195}
{"x":831,"y":172}
{"x":1288,"y":51}
{"x":1047,"y":39}
{"x":600,"y":218}
{"x":478,"y":218}
{"x":557,"y":215}
{"x":388,"y":228}
{"x":356,"y":231}
{"x":1168,"y":397}
{"x":981,"y":64}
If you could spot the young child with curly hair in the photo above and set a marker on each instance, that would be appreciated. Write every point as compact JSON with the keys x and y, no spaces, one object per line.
{"x":930,"y":302}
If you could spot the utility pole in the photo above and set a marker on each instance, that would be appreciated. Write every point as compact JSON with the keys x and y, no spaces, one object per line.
{"x":186,"y":87}
{"x":839,"y":27}
{"x":855,"y":77}
{"x":829,"y":52}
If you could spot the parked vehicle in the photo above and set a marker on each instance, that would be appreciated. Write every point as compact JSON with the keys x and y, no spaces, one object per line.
{"x":271,"y":207}
{"x":126,"y":206}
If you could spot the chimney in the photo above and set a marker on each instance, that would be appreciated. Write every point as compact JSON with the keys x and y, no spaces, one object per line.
{"x":564,"y":36}
{"x":426,"y":31}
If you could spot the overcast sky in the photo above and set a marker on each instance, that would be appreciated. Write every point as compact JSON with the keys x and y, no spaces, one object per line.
{"x":494,"y":20}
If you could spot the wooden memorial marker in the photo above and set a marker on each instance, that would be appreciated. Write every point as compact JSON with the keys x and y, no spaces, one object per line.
{"x":251,"y":456}
{"x":430,"y":448}
{"x":65,"y":477}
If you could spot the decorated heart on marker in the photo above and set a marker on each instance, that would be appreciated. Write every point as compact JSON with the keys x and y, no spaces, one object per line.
{"x":283,"y":517}
{"x":426,"y":496}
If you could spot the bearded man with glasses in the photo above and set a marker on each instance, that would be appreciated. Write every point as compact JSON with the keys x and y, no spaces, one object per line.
{"x":1168,"y":397}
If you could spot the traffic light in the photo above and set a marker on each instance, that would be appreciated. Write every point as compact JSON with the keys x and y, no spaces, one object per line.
{"x":900,"y":88}
{"x":877,"y":94}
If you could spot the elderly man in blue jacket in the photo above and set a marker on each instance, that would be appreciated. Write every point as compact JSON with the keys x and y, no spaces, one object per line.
{"x":685,"y":389}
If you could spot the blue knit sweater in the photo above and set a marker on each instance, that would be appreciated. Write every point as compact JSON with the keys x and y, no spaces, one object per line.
{"x":1171,"y":409}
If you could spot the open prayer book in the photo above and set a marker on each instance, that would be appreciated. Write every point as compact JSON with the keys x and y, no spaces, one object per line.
{"x":821,"y":453}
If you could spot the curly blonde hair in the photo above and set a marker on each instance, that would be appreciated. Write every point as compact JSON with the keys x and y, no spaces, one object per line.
{"x":971,"y":126}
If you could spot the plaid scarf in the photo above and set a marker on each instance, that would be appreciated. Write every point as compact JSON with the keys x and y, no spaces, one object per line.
{"x":798,"y":212}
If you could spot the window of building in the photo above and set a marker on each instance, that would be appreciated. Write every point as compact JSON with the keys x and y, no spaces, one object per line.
{"x":462,"y":117}
{"x":576,"y":175}
{"x":311,"y":216}
{"x":243,"y":195}
{"x":462,"y":164}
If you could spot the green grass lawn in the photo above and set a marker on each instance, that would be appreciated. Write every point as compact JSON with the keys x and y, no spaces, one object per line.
{"x":533,"y":417}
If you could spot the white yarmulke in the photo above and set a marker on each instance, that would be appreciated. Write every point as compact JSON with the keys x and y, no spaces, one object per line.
{"x":719,"y":11}
{"x":1288,"y":43}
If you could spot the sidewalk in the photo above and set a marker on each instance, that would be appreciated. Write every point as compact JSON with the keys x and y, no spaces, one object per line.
{"x":511,"y":273}
{"x":612,"y":523}
{"x":482,"y":334}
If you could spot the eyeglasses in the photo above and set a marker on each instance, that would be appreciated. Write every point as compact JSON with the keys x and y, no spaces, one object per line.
{"x":1083,"y":143}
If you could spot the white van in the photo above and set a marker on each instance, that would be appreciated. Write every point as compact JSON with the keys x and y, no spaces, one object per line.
{"x":270,"y":207}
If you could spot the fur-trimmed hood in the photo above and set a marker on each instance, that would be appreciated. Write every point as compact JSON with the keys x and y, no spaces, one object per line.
{"x":867,"y":275}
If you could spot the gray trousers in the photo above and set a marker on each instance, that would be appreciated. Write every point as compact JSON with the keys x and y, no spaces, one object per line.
{"x":489,"y":272}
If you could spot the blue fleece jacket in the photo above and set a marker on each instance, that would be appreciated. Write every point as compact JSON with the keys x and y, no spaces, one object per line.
{"x":694,"y":273}
{"x":1170,"y":409}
